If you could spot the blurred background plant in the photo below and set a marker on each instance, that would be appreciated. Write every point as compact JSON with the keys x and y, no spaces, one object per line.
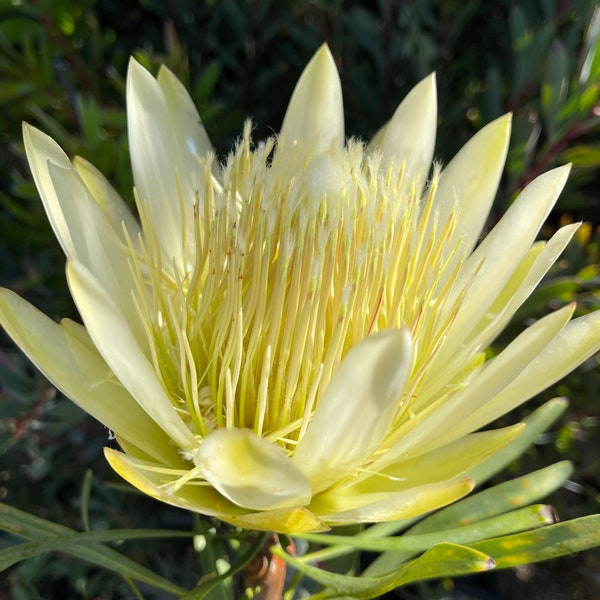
{"x":62,"y":68}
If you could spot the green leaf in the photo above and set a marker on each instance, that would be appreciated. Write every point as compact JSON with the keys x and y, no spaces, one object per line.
{"x":443,"y":560}
{"x":543,"y":544}
{"x":518,"y":520}
{"x":31,"y":527}
{"x":535,"y":424}
{"x":582,"y":156}
{"x":484,"y":505}
{"x":71,"y":542}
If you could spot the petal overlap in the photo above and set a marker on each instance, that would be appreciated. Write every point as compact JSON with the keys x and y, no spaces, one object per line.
{"x":294,"y":338}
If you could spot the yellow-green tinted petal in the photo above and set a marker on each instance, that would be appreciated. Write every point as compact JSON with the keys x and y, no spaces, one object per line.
{"x":97,"y":244}
{"x":111,"y":204}
{"x":315,"y":114}
{"x":160,"y":481}
{"x":114,"y":338}
{"x":191,"y":137}
{"x":446,"y":464}
{"x":469,"y":182}
{"x":439,"y":424}
{"x":251,"y":471}
{"x":575,"y":343}
{"x":443,"y":463}
{"x":391,"y":506}
{"x":78,"y":222}
{"x":290,"y":520}
{"x":409,"y":137}
{"x":500,"y":253}
{"x":154,"y":156}
{"x":357,"y":408}
{"x":77,"y":369}
{"x":510,"y":299}
{"x":41,"y":150}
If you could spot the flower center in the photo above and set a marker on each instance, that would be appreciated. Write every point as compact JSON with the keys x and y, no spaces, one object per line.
{"x":293,"y":261}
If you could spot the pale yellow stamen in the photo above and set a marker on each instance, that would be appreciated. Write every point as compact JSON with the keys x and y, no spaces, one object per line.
{"x":294,"y":262}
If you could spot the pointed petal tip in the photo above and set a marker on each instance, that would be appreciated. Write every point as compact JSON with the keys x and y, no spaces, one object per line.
{"x":315,"y":113}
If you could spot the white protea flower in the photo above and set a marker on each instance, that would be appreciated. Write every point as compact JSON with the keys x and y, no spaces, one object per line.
{"x":295,"y":338}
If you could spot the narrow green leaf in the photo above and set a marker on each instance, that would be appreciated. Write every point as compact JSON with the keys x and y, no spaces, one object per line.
{"x":443,"y":560}
{"x":518,"y":520}
{"x":71,"y":541}
{"x":536,"y":423}
{"x":484,"y":505}
{"x":543,"y":544}
{"x":31,"y":527}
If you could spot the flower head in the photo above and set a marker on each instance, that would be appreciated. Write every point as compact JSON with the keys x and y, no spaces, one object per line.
{"x":293,"y":338}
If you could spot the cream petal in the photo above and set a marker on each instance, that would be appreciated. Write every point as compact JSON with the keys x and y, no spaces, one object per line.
{"x":489,"y":268}
{"x":511,"y":300}
{"x":160,"y":482}
{"x":82,"y":229}
{"x":285,"y":520}
{"x":250,"y":471}
{"x":439,"y":424}
{"x":154,"y":155}
{"x":111,"y":204}
{"x":190,"y":135}
{"x":109,"y":329}
{"x":574,"y":344}
{"x":98,"y":247}
{"x":410,"y":134}
{"x":357,"y":408}
{"x":41,"y":150}
{"x":369,"y":492}
{"x":469,"y":182}
{"x":443,"y":463}
{"x":315,"y":114}
{"x":66,"y":356}
{"x":525,"y":278}
{"x":391,"y":506}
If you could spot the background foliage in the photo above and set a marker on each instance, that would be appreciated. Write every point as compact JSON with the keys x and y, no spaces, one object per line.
{"x":62,"y":68}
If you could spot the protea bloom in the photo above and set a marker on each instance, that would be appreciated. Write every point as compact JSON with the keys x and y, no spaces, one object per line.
{"x":294,"y":339}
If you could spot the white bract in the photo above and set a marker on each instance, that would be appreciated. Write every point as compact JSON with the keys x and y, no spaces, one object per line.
{"x":294,"y":339}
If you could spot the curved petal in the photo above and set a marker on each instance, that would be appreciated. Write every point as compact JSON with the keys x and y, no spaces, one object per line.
{"x":508,"y":301}
{"x":76,"y":368}
{"x":42,"y":150}
{"x":469,"y":182}
{"x":159,"y":481}
{"x":437,"y":471}
{"x":191,"y":137}
{"x":315,"y":114}
{"x":157,"y":175}
{"x":97,"y":244}
{"x":500,"y":253}
{"x":111,"y":204}
{"x":357,"y":408}
{"x":439,"y":424}
{"x":286,"y":520}
{"x":410,"y":134}
{"x":112,"y":335}
{"x":162,"y":483}
{"x":441,"y":464}
{"x":391,"y":506}
{"x":574,"y":344}
{"x":250,"y":471}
